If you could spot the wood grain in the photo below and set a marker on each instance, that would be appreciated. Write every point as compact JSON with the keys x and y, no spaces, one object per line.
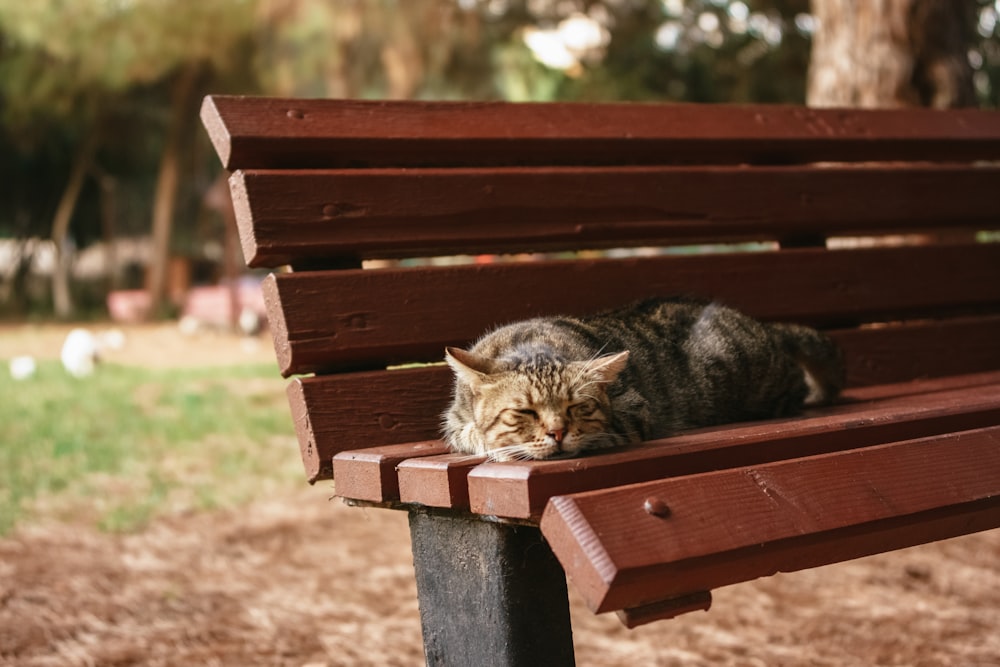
{"x":370,"y":474}
{"x":347,"y":319}
{"x":907,"y":351}
{"x":284,"y":133}
{"x":491,"y":594}
{"x":633,"y":617}
{"x":357,"y":410}
{"x":735,"y":525}
{"x":437,"y":481}
{"x":520,"y":489}
{"x":426,"y":212}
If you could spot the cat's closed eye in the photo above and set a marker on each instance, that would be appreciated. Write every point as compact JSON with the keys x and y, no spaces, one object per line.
{"x":528,"y":413}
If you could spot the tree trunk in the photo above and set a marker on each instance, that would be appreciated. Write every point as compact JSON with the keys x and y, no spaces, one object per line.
{"x":891,"y":53}
{"x":109,"y":187}
{"x":167,"y":181}
{"x":62,"y":298}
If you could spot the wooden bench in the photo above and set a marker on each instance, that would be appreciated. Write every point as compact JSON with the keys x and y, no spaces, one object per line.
{"x":911,"y":454}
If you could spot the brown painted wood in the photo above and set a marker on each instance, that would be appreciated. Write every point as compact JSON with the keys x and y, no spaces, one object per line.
{"x":633,"y":617}
{"x":370,"y":474}
{"x":377,"y":317}
{"x":282,"y":133}
{"x":900,"y":352}
{"x":437,"y":481}
{"x":521,"y":489}
{"x":780,"y":516}
{"x":354,"y":410}
{"x":916,"y":387}
{"x":425,"y":212}
{"x":357,"y":410}
{"x":317,"y":463}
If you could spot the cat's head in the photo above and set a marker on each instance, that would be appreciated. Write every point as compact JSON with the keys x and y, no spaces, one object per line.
{"x":537,"y":408}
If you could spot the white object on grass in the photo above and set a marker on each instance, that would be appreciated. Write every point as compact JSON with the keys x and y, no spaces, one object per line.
{"x":23,"y":367}
{"x":79,"y":353}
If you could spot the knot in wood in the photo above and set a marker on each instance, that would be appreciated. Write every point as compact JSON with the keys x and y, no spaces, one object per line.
{"x":656,"y":507}
{"x":343,"y":209}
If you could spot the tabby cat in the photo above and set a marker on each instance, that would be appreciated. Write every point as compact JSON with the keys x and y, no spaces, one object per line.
{"x":557,"y":386}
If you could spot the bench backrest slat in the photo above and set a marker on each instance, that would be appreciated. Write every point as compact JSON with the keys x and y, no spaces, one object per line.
{"x":281,"y":133}
{"x":393,"y":316}
{"x":413,"y":212}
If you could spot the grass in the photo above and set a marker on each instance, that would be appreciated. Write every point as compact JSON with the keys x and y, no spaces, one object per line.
{"x":128,"y":444}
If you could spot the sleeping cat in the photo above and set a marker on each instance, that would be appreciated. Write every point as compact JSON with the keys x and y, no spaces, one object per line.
{"x":557,"y":386}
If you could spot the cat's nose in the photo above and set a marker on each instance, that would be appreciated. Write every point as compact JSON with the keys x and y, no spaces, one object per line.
{"x":557,"y":435}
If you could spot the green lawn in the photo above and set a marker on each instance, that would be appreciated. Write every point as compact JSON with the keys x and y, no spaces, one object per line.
{"x":130,"y":443}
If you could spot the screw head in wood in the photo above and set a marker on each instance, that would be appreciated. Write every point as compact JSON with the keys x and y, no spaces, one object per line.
{"x":297,"y":114}
{"x":656,"y":507}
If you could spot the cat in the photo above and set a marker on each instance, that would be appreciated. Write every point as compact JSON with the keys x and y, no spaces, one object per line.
{"x":553,"y":387}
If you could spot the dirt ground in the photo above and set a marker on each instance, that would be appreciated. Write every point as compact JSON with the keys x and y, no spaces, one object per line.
{"x":297,"y":579}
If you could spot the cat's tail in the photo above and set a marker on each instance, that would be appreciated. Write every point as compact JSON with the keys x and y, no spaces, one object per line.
{"x":821,"y":360}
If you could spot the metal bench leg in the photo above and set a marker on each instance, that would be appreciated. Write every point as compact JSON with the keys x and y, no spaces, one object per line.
{"x":490,"y":594}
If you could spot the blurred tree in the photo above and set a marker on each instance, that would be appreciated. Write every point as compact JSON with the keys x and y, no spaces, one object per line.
{"x":75,"y":66}
{"x":684,"y":50}
{"x":889,"y":53}
{"x":374,"y":49}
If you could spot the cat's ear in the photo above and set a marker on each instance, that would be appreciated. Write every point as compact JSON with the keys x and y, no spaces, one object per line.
{"x":470,"y":368}
{"x":607,"y":368}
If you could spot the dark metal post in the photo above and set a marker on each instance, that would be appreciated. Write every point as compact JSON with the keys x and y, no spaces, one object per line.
{"x":490,"y":594}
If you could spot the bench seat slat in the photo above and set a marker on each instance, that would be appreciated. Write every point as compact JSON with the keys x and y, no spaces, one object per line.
{"x":282,"y":133}
{"x":437,"y":481}
{"x":353,"y":410}
{"x":519,"y":490}
{"x":414,"y":212}
{"x":734,"y":525}
{"x":389,"y":316}
{"x":370,"y":474}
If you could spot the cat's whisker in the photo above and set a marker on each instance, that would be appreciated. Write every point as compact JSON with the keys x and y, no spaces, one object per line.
{"x":589,"y":363}
{"x":590,"y":384}
{"x":467,"y":457}
{"x":508,"y":452}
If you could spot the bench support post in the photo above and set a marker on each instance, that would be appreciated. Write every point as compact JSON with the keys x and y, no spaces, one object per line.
{"x":489,"y":593}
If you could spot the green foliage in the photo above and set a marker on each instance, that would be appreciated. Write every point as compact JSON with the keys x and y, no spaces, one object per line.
{"x":128,"y":444}
{"x":112,"y":45}
{"x":72,"y":70}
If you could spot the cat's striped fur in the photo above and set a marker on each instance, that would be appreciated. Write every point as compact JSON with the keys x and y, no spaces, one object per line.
{"x":557,"y":386}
